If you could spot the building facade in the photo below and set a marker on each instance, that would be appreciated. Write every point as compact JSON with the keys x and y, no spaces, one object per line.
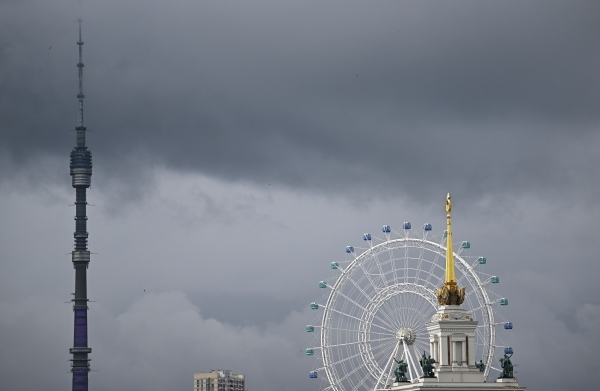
{"x":219,"y":380}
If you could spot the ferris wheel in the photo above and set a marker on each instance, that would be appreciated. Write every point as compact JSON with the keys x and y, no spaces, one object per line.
{"x":376,"y":306}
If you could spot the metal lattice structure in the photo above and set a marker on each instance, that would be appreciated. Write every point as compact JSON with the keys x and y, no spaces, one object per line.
{"x":379,"y":300}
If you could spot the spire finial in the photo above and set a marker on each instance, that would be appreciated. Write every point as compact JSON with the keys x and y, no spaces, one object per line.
{"x":450,"y":294}
{"x":450,"y":276}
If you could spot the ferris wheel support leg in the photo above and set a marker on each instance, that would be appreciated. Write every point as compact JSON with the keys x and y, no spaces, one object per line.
{"x":411,"y":365}
{"x":384,"y":369}
{"x":391,"y":370}
{"x":419,"y":372}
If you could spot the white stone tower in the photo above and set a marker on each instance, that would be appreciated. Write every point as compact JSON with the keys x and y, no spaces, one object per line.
{"x":452,"y":339}
{"x":452,"y":329}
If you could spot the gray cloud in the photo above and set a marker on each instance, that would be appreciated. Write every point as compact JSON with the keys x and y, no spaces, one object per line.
{"x":239,"y":147}
{"x":195,"y":282}
{"x":497,"y":96}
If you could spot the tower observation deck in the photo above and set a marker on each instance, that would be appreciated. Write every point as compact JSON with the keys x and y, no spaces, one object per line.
{"x":81,"y":173}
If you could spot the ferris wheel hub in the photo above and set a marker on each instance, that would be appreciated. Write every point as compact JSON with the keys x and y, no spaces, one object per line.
{"x":406,"y":335}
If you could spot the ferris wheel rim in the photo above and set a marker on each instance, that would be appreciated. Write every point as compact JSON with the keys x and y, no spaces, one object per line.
{"x":394,"y":244}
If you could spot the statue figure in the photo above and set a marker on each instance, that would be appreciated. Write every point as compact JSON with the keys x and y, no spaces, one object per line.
{"x":480,"y":365}
{"x":427,"y":365}
{"x":507,"y":367}
{"x":400,"y":371}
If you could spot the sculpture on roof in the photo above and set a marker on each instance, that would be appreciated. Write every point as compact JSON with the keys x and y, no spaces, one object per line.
{"x":507,"y":367}
{"x":480,"y":365}
{"x":400,"y":371}
{"x":427,"y":365}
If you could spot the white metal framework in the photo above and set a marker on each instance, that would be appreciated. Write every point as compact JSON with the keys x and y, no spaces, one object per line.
{"x":379,"y":301}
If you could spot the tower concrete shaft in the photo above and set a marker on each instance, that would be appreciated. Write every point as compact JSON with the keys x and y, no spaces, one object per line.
{"x":81,"y":173}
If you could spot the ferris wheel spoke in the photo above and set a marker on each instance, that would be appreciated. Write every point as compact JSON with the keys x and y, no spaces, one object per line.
{"x":404,"y":313}
{"x":388,"y":321}
{"x":409,"y":314}
{"x":478,"y":332}
{"x":360,"y":384}
{"x":358,"y":342}
{"x":384,"y":369}
{"x":415,"y":362}
{"x":481,"y":307}
{"x":399,"y":310}
{"x":391,"y":262}
{"x":382,"y":353}
{"x":385,"y":356}
{"x":392,"y":332}
{"x":391,"y":320}
{"x":360,"y":289}
{"x":418,"y":269}
{"x":414,"y":309}
{"x":380,"y":349}
{"x":403,"y":310}
{"x":439,"y":280}
{"x":368,"y":276}
{"x":409,"y":361}
{"x":349,"y":373}
{"x":431,"y":268}
{"x":405,"y":264}
{"x":419,"y":369}
{"x":388,"y":339}
{"x":421,"y":346}
{"x":350,"y":300}
{"x":349,"y":317}
{"x":421,"y":317}
{"x":420,"y":328}
{"x":346,"y":315}
{"x":348,"y":358}
{"x":390,"y":371}
{"x":381,"y":274}
{"x":389,"y":324}
{"x":352,"y":331}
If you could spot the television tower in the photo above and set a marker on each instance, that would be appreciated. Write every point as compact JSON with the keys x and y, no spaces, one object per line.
{"x":81,"y":173}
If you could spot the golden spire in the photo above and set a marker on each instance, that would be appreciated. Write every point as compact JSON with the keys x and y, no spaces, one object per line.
{"x":450,"y":277}
{"x":450,"y":293}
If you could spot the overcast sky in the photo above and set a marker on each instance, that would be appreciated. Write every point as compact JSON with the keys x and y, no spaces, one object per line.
{"x":238,"y":147}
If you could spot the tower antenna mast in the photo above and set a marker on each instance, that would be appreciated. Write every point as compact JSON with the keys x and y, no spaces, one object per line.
{"x":81,"y":173}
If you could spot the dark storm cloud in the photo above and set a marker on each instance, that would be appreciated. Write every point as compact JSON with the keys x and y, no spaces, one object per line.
{"x":258,"y":139}
{"x":497,"y":96}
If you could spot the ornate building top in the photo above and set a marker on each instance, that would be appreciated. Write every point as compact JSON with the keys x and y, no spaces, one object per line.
{"x":450,"y":293}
